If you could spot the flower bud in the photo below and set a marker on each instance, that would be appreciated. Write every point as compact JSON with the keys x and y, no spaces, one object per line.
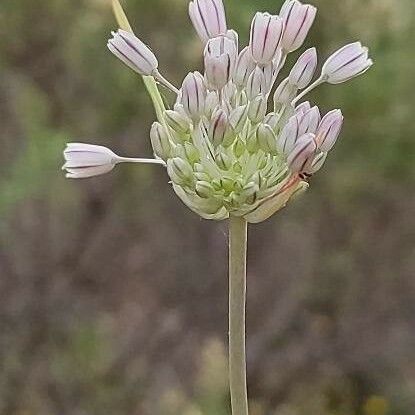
{"x":256,"y":83}
{"x":87,"y":160}
{"x":302,"y":72}
{"x":211,"y":102}
{"x":179,"y":170}
{"x":284,"y":94}
{"x":220,"y":56}
{"x":302,"y":108}
{"x":257,"y":109}
{"x":288,"y":136}
{"x":177,"y":122}
{"x":329,"y":130}
{"x":160,"y":141}
{"x":266,"y":138}
{"x":204,"y":189}
{"x":298,"y":19}
{"x":193,"y":95}
{"x":266,"y":32}
{"x":272,"y":120}
{"x":317,"y":163}
{"x":133,"y":52}
{"x":238,"y":117}
{"x":244,"y":67}
{"x":219,"y":127}
{"x":304,"y":149}
{"x":348,"y":62}
{"x":309,"y":121}
{"x":208,"y":18}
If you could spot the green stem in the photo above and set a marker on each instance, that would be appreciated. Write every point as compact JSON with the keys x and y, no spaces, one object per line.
{"x":237,"y":300}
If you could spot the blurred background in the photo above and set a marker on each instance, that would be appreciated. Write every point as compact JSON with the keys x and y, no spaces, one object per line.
{"x":113,"y":295}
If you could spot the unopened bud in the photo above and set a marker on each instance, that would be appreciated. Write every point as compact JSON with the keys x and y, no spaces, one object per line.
{"x":329,"y":130}
{"x":160,"y":141}
{"x":256,"y":83}
{"x":266,"y":139}
{"x":208,"y":18}
{"x":244,"y":67}
{"x":133,"y":52}
{"x":204,"y":189}
{"x":219,"y":127}
{"x":309,"y":121}
{"x":257,"y":109}
{"x":284,"y":94}
{"x":288,"y":136}
{"x":348,"y":62}
{"x":266,"y":32}
{"x":193,"y":95}
{"x":304,"y":149}
{"x":302,"y":72}
{"x":238,"y":117}
{"x":298,"y":19}
{"x":177,"y":122}
{"x":179,"y":170}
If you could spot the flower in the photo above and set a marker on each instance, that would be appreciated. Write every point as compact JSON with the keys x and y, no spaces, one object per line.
{"x":298,"y":19}
{"x":348,"y":62}
{"x":133,"y":52}
{"x":88,"y":160}
{"x":266,"y":32}
{"x":226,"y":152}
{"x":208,"y":18}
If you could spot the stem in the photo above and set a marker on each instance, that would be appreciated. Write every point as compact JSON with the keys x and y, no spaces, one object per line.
{"x":315,"y":84}
{"x":237,"y":300}
{"x":165,"y":82}
{"x":140,"y":160}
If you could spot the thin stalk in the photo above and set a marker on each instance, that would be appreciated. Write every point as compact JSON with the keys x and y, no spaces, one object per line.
{"x":315,"y":84}
{"x":237,"y":301}
{"x":140,"y":160}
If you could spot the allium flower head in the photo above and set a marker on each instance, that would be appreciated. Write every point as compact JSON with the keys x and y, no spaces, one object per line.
{"x":226,"y":150}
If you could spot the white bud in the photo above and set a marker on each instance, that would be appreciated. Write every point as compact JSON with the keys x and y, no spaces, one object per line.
{"x":133,"y":52}
{"x":204,"y":189}
{"x":272,"y":119}
{"x":212,"y":101}
{"x":208,"y":18}
{"x":220,"y":57}
{"x":160,"y":141}
{"x":244,"y":67}
{"x":309,"y":121}
{"x":300,"y":156}
{"x":177,"y":122}
{"x":348,"y":62}
{"x":179,"y":170}
{"x":302,"y":72}
{"x":256,"y":83}
{"x":193,"y":95}
{"x":219,"y":127}
{"x":329,"y":130}
{"x":317,"y":163}
{"x":284,"y":93}
{"x":87,"y":160}
{"x":298,"y":19}
{"x":257,"y":109}
{"x":238,"y":117}
{"x":266,"y":32}
{"x":266,"y":138}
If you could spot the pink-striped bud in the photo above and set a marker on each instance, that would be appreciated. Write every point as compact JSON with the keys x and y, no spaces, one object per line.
{"x":220,"y":56}
{"x":309,"y":121}
{"x":329,"y":130}
{"x":348,"y":62}
{"x":244,"y":67}
{"x":303,"y":153}
{"x":193,"y":95}
{"x":284,"y":93}
{"x":298,"y":19}
{"x":266,"y":32}
{"x":133,"y":52}
{"x":302,"y":108}
{"x":208,"y":18}
{"x":288,"y":136}
{"x":257,"y":109}
{"x":219,"y":127}
{"x":302,"y":72}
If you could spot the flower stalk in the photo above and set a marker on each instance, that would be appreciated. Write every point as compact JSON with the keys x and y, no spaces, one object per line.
{"x":237,"y":301}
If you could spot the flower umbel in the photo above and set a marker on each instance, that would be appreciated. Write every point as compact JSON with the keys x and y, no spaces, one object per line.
{"x":226,"y":152}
